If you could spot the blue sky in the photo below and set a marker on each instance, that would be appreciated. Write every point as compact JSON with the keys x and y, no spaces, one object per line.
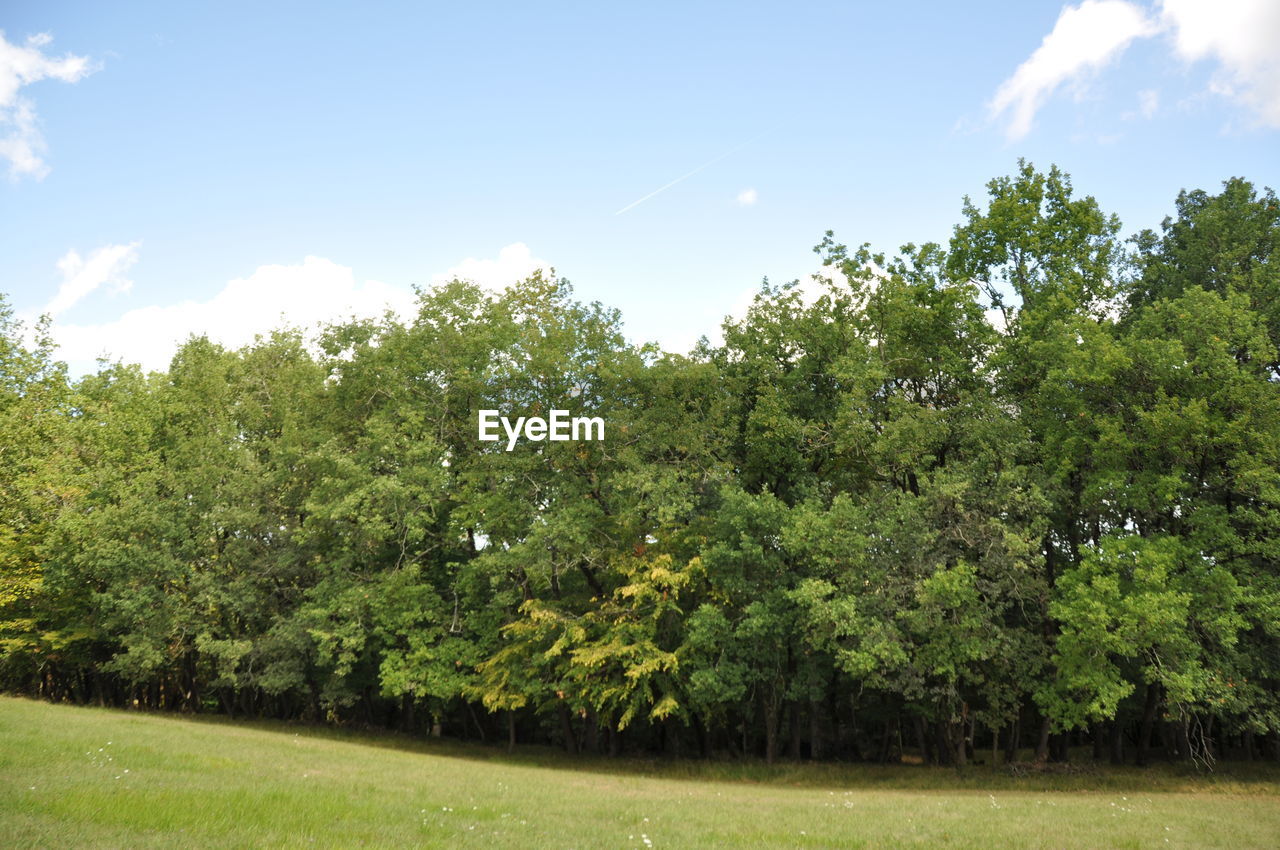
{"x":157,"y":154}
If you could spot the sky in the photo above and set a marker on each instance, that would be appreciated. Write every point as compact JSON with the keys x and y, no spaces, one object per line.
{"x":174,"y":168}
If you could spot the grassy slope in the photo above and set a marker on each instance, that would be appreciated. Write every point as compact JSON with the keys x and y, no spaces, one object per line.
{"x":91,"y":777}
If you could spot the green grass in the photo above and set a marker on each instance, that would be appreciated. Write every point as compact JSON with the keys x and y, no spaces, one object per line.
{"x":85,"y":777}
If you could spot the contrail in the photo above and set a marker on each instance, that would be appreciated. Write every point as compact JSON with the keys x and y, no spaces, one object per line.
{"x":706,"y":164}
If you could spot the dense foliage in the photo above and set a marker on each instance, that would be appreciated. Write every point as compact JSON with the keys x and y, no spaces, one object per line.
{"x":1021,"y":490}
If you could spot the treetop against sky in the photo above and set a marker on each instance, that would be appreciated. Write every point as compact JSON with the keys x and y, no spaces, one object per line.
{"x":176,"y":169}
{"x":877,"y":514}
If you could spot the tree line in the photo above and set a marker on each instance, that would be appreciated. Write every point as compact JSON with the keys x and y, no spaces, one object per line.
{"x":1018,"y":491}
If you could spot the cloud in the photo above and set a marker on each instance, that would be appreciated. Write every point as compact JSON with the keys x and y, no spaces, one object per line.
{"x":1084,"y":38}
{"x":106,"y":265}
{"x":21,"y":142}
{"x":1238,"y":35}
{"x":514,"y":263}
{"x":305,"y":294}
{"x":1148,"y":102}
{"x":1148,"y":106}
{"x":1242,"y":36}
{"x":683,"y":337}
{"x":747,"y":197}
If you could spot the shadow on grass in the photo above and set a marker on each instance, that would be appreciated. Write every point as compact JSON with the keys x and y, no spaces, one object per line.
{"x":1253,"y":778}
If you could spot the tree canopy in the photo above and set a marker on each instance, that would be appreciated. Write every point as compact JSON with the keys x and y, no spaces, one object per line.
{"x":1019,"y":490}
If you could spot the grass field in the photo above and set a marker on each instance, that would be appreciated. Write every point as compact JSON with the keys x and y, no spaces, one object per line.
{"x":84,"y":777}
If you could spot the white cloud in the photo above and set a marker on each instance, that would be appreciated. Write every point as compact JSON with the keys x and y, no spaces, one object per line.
{"x":306,"y":294}
{"x":80,"y":276}
{"x":747,"y":197}
{"x":1148,"y":102}
{"x":709,"y":323}
{"x":21,"y":65}
{"x":514,"y":263}
{"x":1242,"y":36}
{"x":1085,"y":37}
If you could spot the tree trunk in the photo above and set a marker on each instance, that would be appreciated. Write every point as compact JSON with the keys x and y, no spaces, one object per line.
{"x":702,"y":734}
{"x":923,"y":741}
{"x":1064,"y":747}
{"x":886,"y":742}
{"x":946,"y":751}
{"x":1011,"y":746}
{"x":1148,"y":722}
{"x":471,"y":710}
{"x":566,"y":726}
{"x":1170,"y":739}
{"x":1117,"y":742}
{"x":855,"y":749}
{"x":815,"y":729}
{"x":671,"y":737}
{"x":1184,"y":738}
{"x":1042,"y":745}
{"x":591,"y":734}
{"x":770,"y":707}
{"x":793,"y":737}
{"x":406,"y":713}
